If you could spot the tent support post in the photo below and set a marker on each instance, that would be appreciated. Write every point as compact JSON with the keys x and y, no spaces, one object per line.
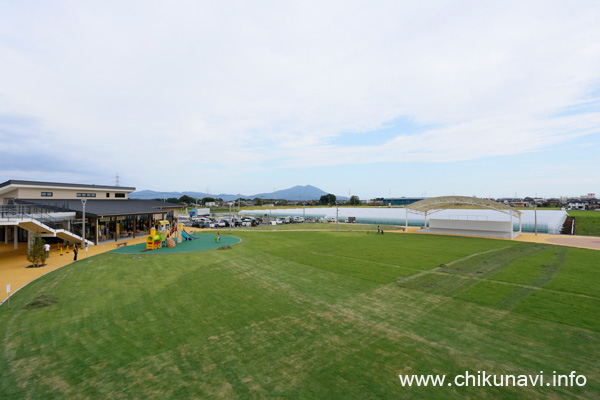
{"x":512,"y":235}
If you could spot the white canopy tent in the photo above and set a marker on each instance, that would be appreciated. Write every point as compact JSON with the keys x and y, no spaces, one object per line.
{"x":466,"y":223}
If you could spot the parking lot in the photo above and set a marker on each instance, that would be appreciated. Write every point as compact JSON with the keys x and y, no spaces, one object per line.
{"x":216,"y":222}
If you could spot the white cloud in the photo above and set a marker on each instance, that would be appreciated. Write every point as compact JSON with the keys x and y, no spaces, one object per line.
{"x":249,"y":85}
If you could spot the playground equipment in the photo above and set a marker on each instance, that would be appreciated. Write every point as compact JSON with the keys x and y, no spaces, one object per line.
{"x":165,"y":231}
{"x":179,"y":229}
{"x":167,"y":235}
{"x":153,"y":240}
{"x":186,"y":235}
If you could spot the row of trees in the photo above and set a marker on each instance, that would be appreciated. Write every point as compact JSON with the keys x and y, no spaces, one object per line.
{"x":187,"y":200}
{"x":328,"y":199}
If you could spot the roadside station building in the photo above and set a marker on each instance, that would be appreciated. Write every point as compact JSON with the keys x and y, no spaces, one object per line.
{"x":55,"y":210}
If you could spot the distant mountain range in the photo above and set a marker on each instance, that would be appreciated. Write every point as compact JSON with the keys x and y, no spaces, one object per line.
{"x":296,"y":193}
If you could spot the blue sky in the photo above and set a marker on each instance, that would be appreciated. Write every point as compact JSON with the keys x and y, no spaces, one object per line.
{"x":373,"y":99}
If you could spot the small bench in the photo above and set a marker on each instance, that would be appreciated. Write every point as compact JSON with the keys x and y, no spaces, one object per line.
{"x":122,"y":244}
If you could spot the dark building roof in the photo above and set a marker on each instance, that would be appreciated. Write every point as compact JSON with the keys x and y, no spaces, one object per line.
{"x":106,"y":208}
{"x":65,"y":185}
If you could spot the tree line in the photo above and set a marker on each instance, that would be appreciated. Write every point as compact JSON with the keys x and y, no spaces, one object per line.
{"x":327,"y":199}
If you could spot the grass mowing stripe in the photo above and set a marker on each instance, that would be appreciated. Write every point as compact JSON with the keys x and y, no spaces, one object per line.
{"x":526,"y":270}
{"x":546,"y":273}
{"x":579,"y":274}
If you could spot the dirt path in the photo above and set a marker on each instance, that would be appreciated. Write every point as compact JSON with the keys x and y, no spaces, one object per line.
{"x":585,"y":242}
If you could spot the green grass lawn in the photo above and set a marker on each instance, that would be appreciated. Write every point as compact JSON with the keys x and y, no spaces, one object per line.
{"x":587,"y":223}
{"x":306,"y":315}
{"x":325,"y":226}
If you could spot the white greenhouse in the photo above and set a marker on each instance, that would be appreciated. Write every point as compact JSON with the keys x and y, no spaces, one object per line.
{"x":438,"y":220}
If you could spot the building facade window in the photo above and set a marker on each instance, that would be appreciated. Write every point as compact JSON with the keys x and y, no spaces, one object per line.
{"x":46,"y":194}
{"x":120,"y":195}
{"x":107,"y":194}
{"x":86,"y":194}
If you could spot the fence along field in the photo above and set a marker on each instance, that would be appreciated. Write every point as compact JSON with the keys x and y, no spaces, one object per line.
{"x":332,"y":315}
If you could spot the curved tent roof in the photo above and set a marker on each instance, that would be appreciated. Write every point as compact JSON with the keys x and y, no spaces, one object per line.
{"x":435,"y":204}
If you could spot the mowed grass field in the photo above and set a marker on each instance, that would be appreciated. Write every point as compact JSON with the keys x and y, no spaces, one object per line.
{"x":307,"y":315}
{"x":326,"y":226}
{"x":587,"y":223}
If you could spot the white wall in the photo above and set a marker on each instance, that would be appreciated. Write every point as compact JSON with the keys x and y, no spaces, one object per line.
{"x":494,"y":226}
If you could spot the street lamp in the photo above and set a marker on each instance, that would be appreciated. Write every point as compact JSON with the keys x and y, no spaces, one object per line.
{"x":337,"y":217}
{"x":83,"y":201}
{"x":230,"y":217}
{"x":535,"y":212}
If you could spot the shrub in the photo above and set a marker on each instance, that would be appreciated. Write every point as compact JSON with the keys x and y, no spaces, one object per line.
{"x":36,"y":254}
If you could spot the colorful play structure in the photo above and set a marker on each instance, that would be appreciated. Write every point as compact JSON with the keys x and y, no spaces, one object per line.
{"x":166,"y":235}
